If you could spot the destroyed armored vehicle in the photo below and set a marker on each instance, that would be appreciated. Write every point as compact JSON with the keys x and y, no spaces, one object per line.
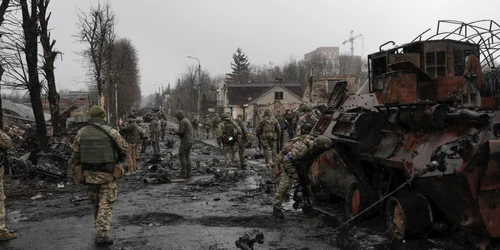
{"x":420,"y":142}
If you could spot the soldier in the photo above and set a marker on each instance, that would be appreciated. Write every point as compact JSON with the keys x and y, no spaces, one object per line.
{"x":207,"y":123}
{"x":185,"y":132}
{"x":284,"y":125}
{"x":196,"y":125}
{"x":215,"y":124}
{"x":269,"y":131}
{"x":244,"y":139}
{"x":97,"y":148}
{"x":130,"y":133}
{"x":306,"y":122}
{"x":155,"y":131}
{"x":5,"y":144}
{"x":163,"y":125}
{"x":295,"y":159}
{"x":229,"y":136}
{"x":289,"y":118}
{"x":140,"y":141}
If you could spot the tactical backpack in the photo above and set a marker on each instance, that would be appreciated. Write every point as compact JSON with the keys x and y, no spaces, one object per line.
{"x":230,"y":132}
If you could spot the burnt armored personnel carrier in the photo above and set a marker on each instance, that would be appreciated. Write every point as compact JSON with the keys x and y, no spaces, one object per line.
{"x":420,"y":142}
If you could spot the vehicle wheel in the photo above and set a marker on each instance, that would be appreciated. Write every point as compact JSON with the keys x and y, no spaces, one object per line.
{"x":359,"y":197}
{"x":408,"y":215}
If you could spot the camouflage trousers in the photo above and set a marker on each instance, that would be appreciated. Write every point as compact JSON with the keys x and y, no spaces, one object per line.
{"x":285,"y":182}
{"x":207,"y":131}
{"x":185,"y":158}
{"x":241,"y":152}
{"x":156,"y":146}
{"x":138,"y":149}
{"x":131,"y":161}
{"x":2,"y":203}
{"x":231,"y":153}
{"x":196,"y":133}
{"x":270,"y":154}
{"x":102,"y":198}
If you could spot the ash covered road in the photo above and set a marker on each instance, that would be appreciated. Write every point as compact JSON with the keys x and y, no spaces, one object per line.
{"x":209,"y":211}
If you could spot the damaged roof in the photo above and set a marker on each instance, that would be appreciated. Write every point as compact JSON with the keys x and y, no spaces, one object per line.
{"x":244,"y":93}
{"x":21,"y":110}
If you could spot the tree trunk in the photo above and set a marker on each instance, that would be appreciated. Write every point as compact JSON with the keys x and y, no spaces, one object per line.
{"x":34,"y":86}
{"x":1,"y":107}
{"x":53,"y":96}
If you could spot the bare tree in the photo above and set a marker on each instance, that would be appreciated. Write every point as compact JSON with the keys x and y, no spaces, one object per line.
{"x":30,"y":19}
{"x":96,"y":30}
{"x":3,"y":8}
{"x":49,"y":56}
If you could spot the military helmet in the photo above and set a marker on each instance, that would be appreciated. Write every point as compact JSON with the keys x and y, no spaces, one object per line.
{"x":224,"y":116}
{"x":306,"y":128}
{"x":306,"y":109}
{"x":267,"y":112}
{"x":322,"y":142}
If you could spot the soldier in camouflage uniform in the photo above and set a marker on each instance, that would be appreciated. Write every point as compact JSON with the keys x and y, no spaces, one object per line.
{"x":130,"y":133}
{"x":289,"y":118}
{"x":185,"y":132}
{"x":155,"y":134}
{"x":99,"y":156}
{"x":5,"y":144}
{"x":284,"y":125}
{"x":244,"y":139}
{"x":269,"y":131}
{"x":215,"y":124}
{"x":207,"y":123}
{"x":229,"y":136}
{"x":300,"y":151}
{"x":307,"y":120}
{"x":196,"y":126}
{"x":140,"y":141}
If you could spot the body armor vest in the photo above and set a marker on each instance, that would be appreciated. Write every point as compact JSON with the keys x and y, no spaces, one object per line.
{"x":95,"y":146}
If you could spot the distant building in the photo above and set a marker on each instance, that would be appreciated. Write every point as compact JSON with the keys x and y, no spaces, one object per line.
{"x":331,"y":54}
{"x":251,"y":99}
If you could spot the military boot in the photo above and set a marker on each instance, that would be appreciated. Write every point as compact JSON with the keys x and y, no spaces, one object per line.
{"x":103,"y":240}
{"x":7,"y":236}
{"x":277,"y":213}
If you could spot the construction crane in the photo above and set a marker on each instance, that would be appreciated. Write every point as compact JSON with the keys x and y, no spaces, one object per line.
{"x":351,"y":40}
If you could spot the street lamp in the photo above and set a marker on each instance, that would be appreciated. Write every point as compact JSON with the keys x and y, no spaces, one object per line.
{"x":199,"y":85}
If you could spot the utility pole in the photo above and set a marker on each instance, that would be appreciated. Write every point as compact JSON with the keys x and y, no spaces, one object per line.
{"x":116,"y":105}
{"x":199,"y":86}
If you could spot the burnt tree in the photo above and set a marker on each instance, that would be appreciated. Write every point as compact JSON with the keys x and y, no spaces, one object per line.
{"x":49,"y":56}
{"x":96,"y":30}
{"x":30,"y":31}
{"x":3,"y":8}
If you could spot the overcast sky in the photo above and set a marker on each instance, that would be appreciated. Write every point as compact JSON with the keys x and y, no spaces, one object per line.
{"x":165,"y":31}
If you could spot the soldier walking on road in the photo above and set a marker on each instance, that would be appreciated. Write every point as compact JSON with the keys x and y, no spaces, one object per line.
{"x":155,"y":133}
{"x":284,"y":125}
{"x":269,"y":131}
{"x":5,"y":144}
{"x":163,"y":125}
{"x":229,"y":136}
{"x":196,"y":125}
{"x":130,"y":133}
{"x":97,"y":149}
{"x":185,"y":132}
{"x":294,"y":162}
{"x":215,"y":124}
{"x":207,"y":124}
{"x":244,"y":139}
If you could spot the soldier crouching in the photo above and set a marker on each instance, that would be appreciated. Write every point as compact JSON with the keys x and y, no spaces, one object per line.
{"x":299,"y":151}
{"x":97,"y":149}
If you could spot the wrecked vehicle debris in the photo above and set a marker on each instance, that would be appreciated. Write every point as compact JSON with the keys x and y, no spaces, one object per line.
{"x":424,"y":115}
{"x":246,"y":243}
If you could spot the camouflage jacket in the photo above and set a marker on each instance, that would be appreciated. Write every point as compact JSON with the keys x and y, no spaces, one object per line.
{"x":94,"y":177}
{"x":297,"y":150}
{"x":155,"y":130}
{"x":306,"y":119}
{"x":244,"y":129}
{"x":130,"y":132}
{"x":215,"y":121}
{"x":207,"y":122}
{"x":283,"y":122}
{"x":265,"y":129}
{"x":185,"y":131}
